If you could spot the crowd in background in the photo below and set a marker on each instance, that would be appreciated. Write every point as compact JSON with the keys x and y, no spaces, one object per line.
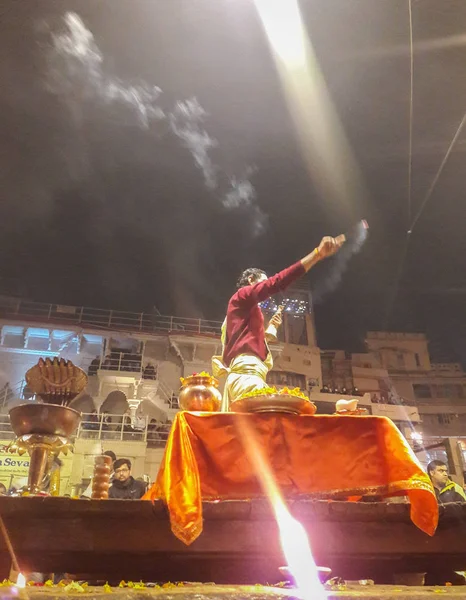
{"x":343,"y":391}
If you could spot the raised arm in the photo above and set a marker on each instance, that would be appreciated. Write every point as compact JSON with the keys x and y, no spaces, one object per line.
{"x":327,"y":247}
{"x":264,"y":289}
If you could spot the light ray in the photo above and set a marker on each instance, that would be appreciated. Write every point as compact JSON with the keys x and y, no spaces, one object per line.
{"x":326,"y":151}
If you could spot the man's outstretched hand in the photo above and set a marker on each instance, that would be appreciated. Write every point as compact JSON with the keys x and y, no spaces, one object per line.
{"x":330,"y":246}
{"x":277,"y":319}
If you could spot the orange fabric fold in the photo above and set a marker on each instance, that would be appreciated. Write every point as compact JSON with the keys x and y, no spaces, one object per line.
{"x":321,"y":456}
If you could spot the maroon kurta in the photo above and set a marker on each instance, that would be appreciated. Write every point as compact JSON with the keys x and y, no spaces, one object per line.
{"x":245,"y":323}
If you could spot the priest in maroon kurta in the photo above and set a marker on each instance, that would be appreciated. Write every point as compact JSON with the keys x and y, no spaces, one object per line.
{"x":246,"y":358}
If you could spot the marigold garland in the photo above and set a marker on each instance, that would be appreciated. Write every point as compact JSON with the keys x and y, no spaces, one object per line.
{"x":273,"y":391}
{"x":184,"y":380}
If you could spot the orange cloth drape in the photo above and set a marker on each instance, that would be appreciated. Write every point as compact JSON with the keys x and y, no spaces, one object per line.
{"x":322,"y":456}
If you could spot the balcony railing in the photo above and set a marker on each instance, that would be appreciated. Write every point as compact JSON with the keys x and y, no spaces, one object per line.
{"x":12,"y":308}
{"x":109,"y":427}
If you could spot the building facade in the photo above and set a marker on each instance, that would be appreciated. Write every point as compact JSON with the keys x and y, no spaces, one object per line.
{"x":135,"y":361}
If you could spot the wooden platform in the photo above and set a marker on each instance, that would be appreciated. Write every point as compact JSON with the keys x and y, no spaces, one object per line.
{"x":132,"y":540}
{"x":210,"y":592}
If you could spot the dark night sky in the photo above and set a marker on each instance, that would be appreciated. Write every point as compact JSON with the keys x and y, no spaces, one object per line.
{"x":99,"y":210}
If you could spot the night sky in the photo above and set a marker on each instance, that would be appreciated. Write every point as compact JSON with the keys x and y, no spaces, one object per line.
{"x":103,"y":203}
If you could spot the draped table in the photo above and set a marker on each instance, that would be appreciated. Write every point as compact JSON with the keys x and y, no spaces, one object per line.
{"x":321,"y":456}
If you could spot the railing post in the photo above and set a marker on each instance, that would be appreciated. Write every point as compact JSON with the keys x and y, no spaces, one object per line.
{"x":50,"y":312}
{"x":81,"y":314}
{"x":100,"y":426}
{"x":141,"y":320}
{"x":110,"y":318}
{"x":119,"y":361}
{"x":171,"y":324}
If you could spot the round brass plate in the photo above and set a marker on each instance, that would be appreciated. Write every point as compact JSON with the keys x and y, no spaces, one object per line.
{"x":276,"y":403}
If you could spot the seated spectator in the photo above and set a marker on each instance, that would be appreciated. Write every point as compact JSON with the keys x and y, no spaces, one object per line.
{"x":108,"y":363}
{"x":149,"y":372}
{"x":173,"y":401}
{"x":91,"y":421}
{"x":445,"y":489}
{"x":127,"y":425}
{"x":152,"y":431}
{"x":94,"y":366}
{"x":139,"y":422}
{"x":106,"y":420}
{"x":124,"y":486}
{"x":3,"y":490}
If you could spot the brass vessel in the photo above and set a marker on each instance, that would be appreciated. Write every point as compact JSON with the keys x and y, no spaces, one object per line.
{"x":43,"y":431}
{"x":43,"y":428}
{"x":200,"y":393}
{"x":101,"y":477}
{"x":56,"y":381}
{"x":274,"y":403}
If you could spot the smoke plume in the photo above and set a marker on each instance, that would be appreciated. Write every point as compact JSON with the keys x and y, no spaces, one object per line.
{"x":331,"y":280}
{"x":76,"y":73}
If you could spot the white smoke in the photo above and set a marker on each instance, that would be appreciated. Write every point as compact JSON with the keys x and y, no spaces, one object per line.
{"x":186,"y":123}
{"x":75,"y":67}
{"x":332,"y":279}
{"x":76,"y":73}
{"x":242,"y":196}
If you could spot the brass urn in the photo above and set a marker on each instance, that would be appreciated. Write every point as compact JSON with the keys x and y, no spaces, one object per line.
{"x":200,"y":392}
{"x":43,"y":428}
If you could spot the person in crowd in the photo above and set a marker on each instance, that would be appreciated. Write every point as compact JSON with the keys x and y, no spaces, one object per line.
{"x":139,"y":422}
{"x":173,"y":401}
{"x":88,"y":492}
{"x":445,"y":489}
{"x":3,"y":490}
{"x":106,"y":420}
{"x":149,"y":372}
{"x":127,"y":424}
{"x":91,"y":423}
{"x":152,"y":435}
{"x":108,"y":363}
{"x":94,"y":366}
{"x":53,"y":477}
{"x":124,"y":486}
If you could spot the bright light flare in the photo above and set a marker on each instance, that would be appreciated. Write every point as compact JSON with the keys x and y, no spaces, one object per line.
{"x":326,"y":151}
{"x":416,"y":436}
{"x":21,"y":581}
{"x":293,"y":536}
{"x":282,"y":21}
{"x":298,"y":554}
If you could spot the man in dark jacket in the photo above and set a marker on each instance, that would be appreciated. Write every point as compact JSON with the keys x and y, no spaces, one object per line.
{"x":445,"y":489}
{"x":124,"y":486}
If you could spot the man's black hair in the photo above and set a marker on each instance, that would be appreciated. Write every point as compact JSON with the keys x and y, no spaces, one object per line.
{"x":120,"y":462}
{"x":245,"y":275}
{"x":434,"y":464}
{"x":111,"y":454}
